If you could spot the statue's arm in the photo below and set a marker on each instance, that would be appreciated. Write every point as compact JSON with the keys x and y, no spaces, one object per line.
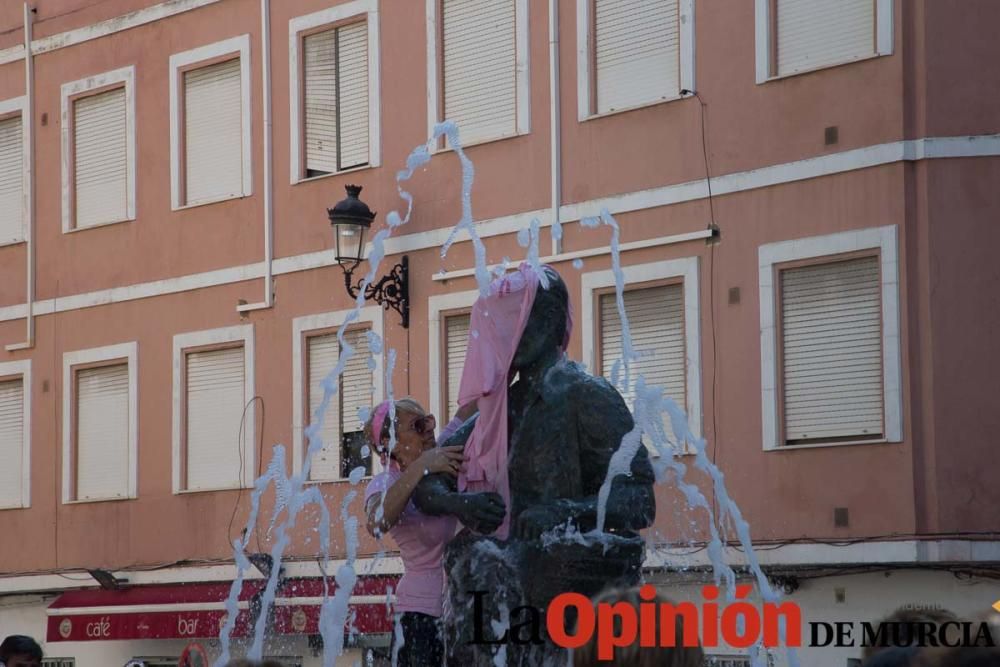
{"x":434,"y":493}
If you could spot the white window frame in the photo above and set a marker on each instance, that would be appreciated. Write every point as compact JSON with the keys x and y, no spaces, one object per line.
{"x":301,"y":327}
{"x":130,"y":353}
{"x":584,"y":59}
{"x":9,"y":109}
{"x":438,"y":308}
{"x":522,"y":66}
{"x":241,"y":333}
{"x":188,"y":60}
{"x":686,"y":269}
{"x":764,"y":37}
{"x":831,"y":245}
{"x":301,"y":24}
{"x":69,"y":94}
{"x":9,"y":371}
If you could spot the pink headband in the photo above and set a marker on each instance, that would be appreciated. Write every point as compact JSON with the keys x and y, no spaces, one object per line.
{"x":378,"y":421}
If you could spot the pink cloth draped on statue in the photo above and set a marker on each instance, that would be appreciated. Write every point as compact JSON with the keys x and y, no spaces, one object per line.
{"x":495,"y":329}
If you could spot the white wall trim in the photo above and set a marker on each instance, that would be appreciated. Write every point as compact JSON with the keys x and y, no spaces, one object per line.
{"x":763,"y":39}
{"x":9,"y":370}
{"x":522,"y":67}
{"x":9,"y":108}
{"x":436,"y":305}
{"x":130,"y":353}
{"x":584,"y":60}
{"x":882,"y":238}
{"x":103,"y":28}
{"x":242,"y":333}
{"x":183,"y":61}
{"x":789,"y":172}
{"x":72,"y":91}
{"x":371,"y":315}
{"x":685,"y":268}
{"x":300,"y":24}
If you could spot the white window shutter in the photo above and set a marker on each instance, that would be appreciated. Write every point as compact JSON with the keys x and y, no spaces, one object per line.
{"x":11,"y":442}
{"x":480,"y":77}
{"x":11,"y":180}
{"x":637,"y":52}
{"x":215,"y":400}
{"x":656,"y":324}
{"x":100,"y":147}
{"x":355,"y":392}
{"x":819,"y":33}
{"x":102,"y":433}
{"x":456,"y":345}
{"x":213,"y":132}
{"x":336,"y":99}
{"x":832,"y":351}
{"x":324,"y":351}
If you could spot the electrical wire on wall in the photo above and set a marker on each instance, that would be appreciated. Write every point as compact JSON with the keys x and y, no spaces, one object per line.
{"x":241,"y":446}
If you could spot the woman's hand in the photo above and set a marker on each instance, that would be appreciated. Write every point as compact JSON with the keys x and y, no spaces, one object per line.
{"x":447,"y":460}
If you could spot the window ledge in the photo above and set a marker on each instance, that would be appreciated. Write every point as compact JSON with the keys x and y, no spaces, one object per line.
{"x":4,"y":244}
{"x":480,"y":142}
{"x":74,"y":230}
{"x":184,"y":492}
{"x":644,"y":105}
{"x":98,"y":500}
{"x":847,"y":443}
{"x":208,"y":202}
{"x":344,"y":480}
{"x":310,"y":179}
{"x":820,"y":68}
{"x":4,"y":508}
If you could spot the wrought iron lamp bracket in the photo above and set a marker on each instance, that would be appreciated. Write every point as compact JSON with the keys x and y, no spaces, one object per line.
{"x":392,"y":291}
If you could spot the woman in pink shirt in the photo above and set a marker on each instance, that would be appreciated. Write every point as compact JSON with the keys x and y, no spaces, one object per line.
{"x":421,"y":538}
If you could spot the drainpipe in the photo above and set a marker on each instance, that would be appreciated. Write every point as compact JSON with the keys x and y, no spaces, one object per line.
{"x":555,"y":122}
{"x":29,"y":184}
{"x":265,"y":25}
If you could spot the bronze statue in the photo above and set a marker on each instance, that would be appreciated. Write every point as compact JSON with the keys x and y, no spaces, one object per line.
{"x":563,"y":427}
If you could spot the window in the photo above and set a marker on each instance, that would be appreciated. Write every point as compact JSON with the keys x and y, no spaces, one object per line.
{"x":15,"y":434}
{"x":342,"y":427}
{"x":334,"y":90}
{"x":726,"y":661}
{"x":58,"y":662}
{"x":661,"y":302}
{"x":210,"y":123}
{"x":830,"y":339}
{"x":12,"y":171}
{"x":479,"y":53}
{"x":98,"y":143}
{"x":456,"y":344}
{"x":100,"y":424}
{"x":633,"y":53}
{"x":795,"y":36}
{"x":315,"y":352}
{"x":214,"y":426}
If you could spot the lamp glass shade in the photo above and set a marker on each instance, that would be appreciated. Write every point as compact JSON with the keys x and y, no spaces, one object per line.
{"x":350,"y":242}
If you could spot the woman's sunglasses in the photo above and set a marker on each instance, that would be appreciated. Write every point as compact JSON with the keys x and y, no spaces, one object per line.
{"x":425,"y":425}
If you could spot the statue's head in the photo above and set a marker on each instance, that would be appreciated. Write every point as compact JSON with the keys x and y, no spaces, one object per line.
{"x":546,"y":327}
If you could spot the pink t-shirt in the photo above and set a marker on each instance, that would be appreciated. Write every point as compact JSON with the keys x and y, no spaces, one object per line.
{"x":421,"y":540}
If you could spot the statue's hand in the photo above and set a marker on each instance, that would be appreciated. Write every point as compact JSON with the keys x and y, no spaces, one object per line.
{"x":534,"y":521}
{"x":481,"y":512}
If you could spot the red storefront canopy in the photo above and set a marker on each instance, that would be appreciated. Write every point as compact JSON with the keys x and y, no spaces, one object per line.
{"x":197,"y":611}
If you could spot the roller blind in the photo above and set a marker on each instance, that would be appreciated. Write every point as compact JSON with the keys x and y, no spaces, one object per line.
{"x":480,"y":78}
{"x":213,"y":132}
{"x":456,"y":344}
{"x":215,"y":400}
{"x":656,"y":323}
{"x":100,"y":145}
{"x":102,"y":442}
{"x":11,"y":442}
{"x":336,"y":99}
{"x":354,"y":393}
{"x":637,"y":52}
{"x":832,"y":351}
{"x":818,"y":33}
{"x":11,"y":180}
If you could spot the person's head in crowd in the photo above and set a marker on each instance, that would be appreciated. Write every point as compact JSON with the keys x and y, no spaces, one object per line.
{"x":909,"y":620}
{"x":636,"y":655}
{"x":985,"y":653}
{"x":895,"y":656}
{"x":20,"y":651}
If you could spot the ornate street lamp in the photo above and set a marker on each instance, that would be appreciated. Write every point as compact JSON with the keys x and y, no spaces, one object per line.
{"x":351,"y":218}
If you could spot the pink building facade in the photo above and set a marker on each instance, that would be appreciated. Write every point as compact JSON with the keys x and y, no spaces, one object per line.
{"x":169,"y":290}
